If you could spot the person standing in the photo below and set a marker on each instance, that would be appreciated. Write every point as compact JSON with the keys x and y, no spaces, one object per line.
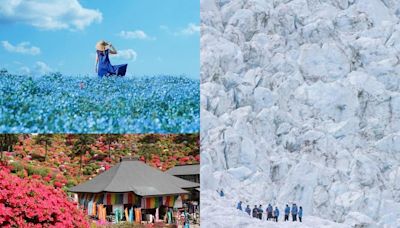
{"x":248,"y":210}
{"x":294,"y":212}
{"x":260,"y":212}
{"x":239,"y":206}
{"x":269,"y":212}
{"x":255,"y":211}
{"x":276,"y":214}
{"x":186,"y":221}
{"x":300,"y":213}
{"x":103,"y":65}
{"x":221,"y":193}
{"x":287,"y":212}
{"x":169,"y":215}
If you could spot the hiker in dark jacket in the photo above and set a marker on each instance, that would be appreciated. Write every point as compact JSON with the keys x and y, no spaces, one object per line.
{"x":248,"y":210}
{"x":255,"y":212}
{"x":294,"y":212}
{"x":287,"y":212}
{"x":269,"y":212}
{"x":276,"y":214}
{"x":300,"y":213}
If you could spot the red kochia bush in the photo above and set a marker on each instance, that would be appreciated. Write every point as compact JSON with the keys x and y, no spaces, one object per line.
{"x":29,"y":203}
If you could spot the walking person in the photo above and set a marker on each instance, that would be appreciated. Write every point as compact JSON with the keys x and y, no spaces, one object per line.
{"x":276,"y":214}
{"x":294,"y":212}
{"x":287,"y":212}
{"x":255,"y":212}
{"x":269,"y":212}
{"x":248,"y":210}
{"x":239,"y":206}
{"x":260,"y":212}
{"x":186,"y":221}
{"x":221,"y":193}
{"x":300,"y":213}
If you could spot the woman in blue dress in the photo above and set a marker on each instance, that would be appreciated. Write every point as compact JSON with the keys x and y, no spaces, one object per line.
{"x":103,"y":65}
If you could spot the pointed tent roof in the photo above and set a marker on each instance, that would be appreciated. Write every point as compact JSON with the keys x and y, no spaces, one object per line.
{"x":131,"y":175}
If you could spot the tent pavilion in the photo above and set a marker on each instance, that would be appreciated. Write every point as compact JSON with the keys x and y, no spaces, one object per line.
{"x":132,"y":184}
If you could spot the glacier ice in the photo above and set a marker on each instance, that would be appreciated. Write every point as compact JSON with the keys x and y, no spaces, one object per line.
{"x":300,"y":102}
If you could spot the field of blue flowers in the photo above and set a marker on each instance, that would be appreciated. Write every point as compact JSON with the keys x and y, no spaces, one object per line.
{"x":62,"y":104}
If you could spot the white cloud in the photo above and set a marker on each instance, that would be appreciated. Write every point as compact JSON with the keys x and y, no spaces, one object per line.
{"x":22,"y":48}
{"x":137,"y":34}
{"x":25,"y":70}
{"x":190,"y":29}
{"x":41,"y":68}
{"x":48,"y":15}
{"x":127,"y":54}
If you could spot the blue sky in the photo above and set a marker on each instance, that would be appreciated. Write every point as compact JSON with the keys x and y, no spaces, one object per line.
{"x":153,"y":37}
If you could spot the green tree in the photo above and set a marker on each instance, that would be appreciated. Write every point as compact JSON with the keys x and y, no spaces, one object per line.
{"x":82,"y":145}
{"x":150,"y":138}
{"x":46,"y":140}
{"x":7,"y":142}
{"x":148,"y":149}
{"x":110,"y":139}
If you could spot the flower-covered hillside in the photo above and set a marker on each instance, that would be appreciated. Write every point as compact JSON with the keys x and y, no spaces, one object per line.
{"x":66,"y":160}
{"x":59,"y":103}
{"x":30,"y":203}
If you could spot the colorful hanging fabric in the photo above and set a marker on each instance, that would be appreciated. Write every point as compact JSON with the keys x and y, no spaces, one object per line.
{"x":101,"y":211}
{"x":152,"y":202}
{"x":169,"y":215}
{"x":138,"y":215}
{"x":126,"y":215}
{"x":113,"y":198}
{"x":90,"y":208}
{"x":131,"y":215}
{"x":157,"y":214}
{"x":169,"y":201}
{"x":98,"y":198}
{"x":94,"y":209}
{"x":85,"y":198}
{"x":118,"y":215}
{"x":129,"y":198}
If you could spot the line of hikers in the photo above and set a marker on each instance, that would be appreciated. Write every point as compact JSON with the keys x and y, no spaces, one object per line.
{"x":273,"y":214}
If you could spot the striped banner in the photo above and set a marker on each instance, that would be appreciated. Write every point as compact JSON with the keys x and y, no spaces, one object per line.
{"x":85,"y":198}
{"x":169,"y":201}
{"x":130,"y":198}
{"x":98,"y":198}
{"x":152,"y":202}
{"x":155,"y":202}
{"x":113,"y":198}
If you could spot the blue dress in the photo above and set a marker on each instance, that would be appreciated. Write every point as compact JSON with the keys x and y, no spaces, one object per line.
{"x":106,"y":69}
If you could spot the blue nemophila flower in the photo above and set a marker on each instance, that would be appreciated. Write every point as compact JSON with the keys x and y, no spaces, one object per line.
{"x":62,"y":104}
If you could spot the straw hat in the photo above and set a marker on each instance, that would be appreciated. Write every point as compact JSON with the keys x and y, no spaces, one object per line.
{"x":101,"y":45}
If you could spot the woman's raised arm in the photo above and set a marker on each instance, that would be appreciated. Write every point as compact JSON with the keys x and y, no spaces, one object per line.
{"x":112,"y":49}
